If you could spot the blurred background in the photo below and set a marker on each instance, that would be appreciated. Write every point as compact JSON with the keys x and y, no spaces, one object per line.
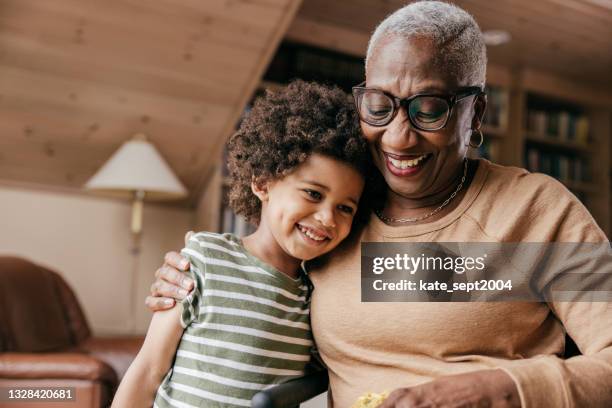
{"x":80,"y":78}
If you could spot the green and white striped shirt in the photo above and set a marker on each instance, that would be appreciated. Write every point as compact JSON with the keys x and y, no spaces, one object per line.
{"x":247,"y":328}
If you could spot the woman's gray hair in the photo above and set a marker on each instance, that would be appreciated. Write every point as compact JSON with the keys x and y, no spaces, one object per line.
{"x":454,"y":32}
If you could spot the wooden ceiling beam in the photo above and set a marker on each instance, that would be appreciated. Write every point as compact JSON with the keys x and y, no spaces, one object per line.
{"x":353,"y":15}
{"x":254,"y":12}
{"x":150,"y":80}
{"x":126,"y":48}
{"x":595,"y":12}
{"x":547,"y":35}
{"x":40,"y":123}
{"x":66,"y":95}
{"x":328,"y":36}
{"x":159,"y":18}
{"x":364,"y":15}
{"x":527,"y":21}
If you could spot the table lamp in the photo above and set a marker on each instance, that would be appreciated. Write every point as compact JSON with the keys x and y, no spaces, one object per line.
{"x":137,"y":171}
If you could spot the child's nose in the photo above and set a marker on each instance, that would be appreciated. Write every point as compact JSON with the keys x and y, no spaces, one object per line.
{"x":326,"y":218}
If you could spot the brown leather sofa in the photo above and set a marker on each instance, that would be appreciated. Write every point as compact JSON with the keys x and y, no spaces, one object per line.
{"x":45,"y":340}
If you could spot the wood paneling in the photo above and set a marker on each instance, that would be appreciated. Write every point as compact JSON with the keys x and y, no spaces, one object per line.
{"x":571,"y":38}
{"x":79,"y":77}
{"x":328,"y":36}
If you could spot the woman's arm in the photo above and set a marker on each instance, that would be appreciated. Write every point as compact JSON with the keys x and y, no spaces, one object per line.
{"x":137,"y":389}
{"x":581,"y":381}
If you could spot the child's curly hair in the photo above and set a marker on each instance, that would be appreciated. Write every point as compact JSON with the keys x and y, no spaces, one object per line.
{"x":282,"y":130}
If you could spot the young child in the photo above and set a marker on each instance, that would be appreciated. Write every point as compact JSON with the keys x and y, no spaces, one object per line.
{"x":297,"y":168}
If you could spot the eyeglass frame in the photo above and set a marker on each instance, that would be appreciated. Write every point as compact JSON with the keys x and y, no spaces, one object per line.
{"x":451,"y":100}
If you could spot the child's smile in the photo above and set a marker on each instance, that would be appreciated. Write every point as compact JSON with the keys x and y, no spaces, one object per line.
{"x":314,"y":234}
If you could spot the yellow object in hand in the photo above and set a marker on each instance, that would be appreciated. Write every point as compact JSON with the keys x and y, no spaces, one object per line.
{"x":370,"y":400}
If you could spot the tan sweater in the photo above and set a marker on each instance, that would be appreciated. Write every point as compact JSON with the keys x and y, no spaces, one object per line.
{"x":383,"y":346}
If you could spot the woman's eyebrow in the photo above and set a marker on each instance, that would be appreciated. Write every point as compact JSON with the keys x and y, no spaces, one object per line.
{"x":433,"y":89}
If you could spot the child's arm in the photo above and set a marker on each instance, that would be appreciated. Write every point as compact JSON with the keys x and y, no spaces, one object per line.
{"x":137,"y":389}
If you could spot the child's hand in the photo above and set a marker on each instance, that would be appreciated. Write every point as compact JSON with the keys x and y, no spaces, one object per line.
{"x":170,"y":283}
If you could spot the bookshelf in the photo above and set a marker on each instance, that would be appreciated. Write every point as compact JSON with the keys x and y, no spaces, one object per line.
{"x":533,"y":120}
{"x":564,"y":139}
{"x":554,"y":126}
{"x":558,"y":142}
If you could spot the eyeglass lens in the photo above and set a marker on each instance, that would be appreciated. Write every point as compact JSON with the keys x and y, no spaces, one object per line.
{"x":426,"y":112}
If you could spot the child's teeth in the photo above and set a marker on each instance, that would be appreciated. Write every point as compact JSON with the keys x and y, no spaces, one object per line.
{"x":404,"y":164}
{"x":310,"y":234}
{"x":314,"y":236}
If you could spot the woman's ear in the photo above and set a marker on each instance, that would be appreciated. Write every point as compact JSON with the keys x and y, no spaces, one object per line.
{"x":480,"y":107}
{"x":260,"y":189}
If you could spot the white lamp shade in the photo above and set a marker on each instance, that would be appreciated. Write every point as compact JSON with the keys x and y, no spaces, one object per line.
{"x":137,"y":166}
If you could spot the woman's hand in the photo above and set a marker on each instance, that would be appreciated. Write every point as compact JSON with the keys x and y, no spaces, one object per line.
{"x":485,"y":388}
{"x":171,"y":281}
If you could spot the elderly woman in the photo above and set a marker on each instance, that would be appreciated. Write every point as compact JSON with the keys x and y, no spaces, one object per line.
{"x":420,"y":108}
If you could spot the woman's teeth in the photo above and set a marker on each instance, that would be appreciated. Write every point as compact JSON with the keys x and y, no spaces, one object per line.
{"x":404,"y":164}
{"x":310,"y":234}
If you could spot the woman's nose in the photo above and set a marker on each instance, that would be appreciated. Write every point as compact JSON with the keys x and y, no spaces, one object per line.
{"x":399,"y":135}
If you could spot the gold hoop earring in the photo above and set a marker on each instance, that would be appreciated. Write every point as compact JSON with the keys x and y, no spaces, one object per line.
{"x":479,"y":132}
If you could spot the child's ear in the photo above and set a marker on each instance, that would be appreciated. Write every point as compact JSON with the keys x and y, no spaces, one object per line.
{"x":260,"y":189}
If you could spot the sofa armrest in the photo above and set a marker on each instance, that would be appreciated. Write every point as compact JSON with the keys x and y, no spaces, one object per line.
{"x":292,"y":393}
{"x":125,"y":345}
{"x":118,"y":352}
{"x":55,"y":366}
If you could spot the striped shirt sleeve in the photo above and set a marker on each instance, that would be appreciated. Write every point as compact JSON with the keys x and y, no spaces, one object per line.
{"x":196,"y":255}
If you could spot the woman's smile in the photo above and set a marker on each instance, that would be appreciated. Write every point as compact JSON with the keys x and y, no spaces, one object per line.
{"x":406,"y":165}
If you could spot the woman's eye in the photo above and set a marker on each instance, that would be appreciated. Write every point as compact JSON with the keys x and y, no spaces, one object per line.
{"x":315,"y":195}
{"x":346,"y":209}
{"x":428,"y":117}
{"x":378,"y":111}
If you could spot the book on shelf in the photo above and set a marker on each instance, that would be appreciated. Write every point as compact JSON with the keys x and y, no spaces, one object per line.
{"x":582,"y":130}
{"x":559,"y":125}
{"x":564,"y":167}
{"x":563,"y":122}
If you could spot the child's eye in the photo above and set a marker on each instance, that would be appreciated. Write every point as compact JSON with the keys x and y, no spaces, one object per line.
{"x":346,"y":209}
{"x":315,"y":195}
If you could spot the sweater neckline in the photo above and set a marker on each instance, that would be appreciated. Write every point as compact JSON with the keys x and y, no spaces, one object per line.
{"x":403,"y":231}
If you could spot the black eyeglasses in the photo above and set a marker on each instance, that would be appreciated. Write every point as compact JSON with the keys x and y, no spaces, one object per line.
{"x":428,"y":112}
